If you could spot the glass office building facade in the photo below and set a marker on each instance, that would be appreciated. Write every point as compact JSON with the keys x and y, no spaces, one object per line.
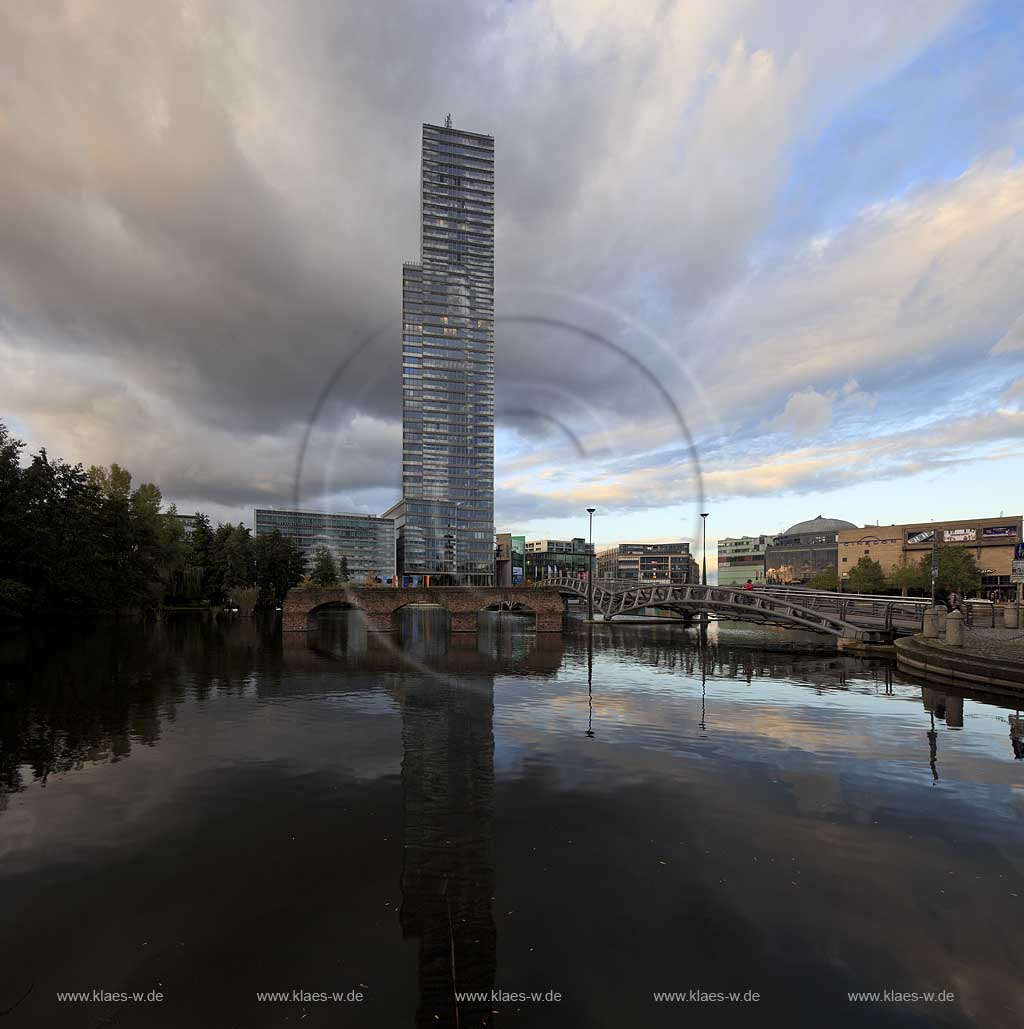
{"x":365,"y":541}
{"x":549,"y":558}
{"x":445,"y":520}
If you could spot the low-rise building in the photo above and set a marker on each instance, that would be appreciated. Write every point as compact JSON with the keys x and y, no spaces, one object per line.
{"x":992,"y":541}
{"x":804,"y":550}
{"x":367,"y":542}
{"x":546,"y":558}
{"x":649,"y":562}
{"x":741,"y":558}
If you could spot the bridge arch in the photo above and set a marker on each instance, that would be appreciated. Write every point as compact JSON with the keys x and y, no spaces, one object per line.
{"x":381,"y":604}
{"x":691,"y":598}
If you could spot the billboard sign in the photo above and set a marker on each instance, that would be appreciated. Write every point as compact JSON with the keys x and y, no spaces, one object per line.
{"x":959,"y":535}
{"x":1017,"y":571}
{"x":1018,"y":552}
{"x":915,"y":537}
{"x":999,"y":532}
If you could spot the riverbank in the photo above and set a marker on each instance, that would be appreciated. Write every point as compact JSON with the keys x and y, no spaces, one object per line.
{"x":990,"y":657}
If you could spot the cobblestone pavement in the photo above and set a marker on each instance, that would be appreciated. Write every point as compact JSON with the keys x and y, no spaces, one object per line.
{"x":997,"y":644}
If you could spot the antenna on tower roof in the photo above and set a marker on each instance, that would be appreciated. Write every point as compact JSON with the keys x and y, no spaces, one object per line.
{"x":448,"y":121}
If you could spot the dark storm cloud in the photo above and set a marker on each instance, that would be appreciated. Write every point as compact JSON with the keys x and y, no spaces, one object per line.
{"x":204,"y":208}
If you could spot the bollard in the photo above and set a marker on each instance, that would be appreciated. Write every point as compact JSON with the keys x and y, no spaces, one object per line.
{"x":930,"y":625}
{"x":1010,"y":616}
{"x":955,"y":629}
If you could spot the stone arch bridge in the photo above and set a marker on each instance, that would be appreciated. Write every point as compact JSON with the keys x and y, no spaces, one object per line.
{"x":382,"y":604}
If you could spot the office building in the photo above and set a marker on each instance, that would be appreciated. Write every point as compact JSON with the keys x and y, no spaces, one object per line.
{"x":510,"y":559}
{"x":649,"y":562}
{"x":804,"y":550}
{"x":365,"y":541}
{"x":992,"y":541}
{"x":445,"y":519}
{"x":741,"y":558}
{"x":547,"y":558}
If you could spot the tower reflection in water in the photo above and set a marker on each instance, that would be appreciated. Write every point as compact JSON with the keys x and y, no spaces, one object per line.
{"x":448,"y":813}
{"x":444,"y":684}
{"x":448,"y":839}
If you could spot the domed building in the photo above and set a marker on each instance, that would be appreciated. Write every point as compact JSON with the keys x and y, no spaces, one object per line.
{"x":803,"y":550}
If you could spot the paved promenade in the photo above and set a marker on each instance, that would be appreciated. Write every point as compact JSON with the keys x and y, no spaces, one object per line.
{"x":990,"y":657}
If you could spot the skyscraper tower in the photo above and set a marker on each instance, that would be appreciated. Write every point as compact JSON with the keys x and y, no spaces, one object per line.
{"x":445,"y":520}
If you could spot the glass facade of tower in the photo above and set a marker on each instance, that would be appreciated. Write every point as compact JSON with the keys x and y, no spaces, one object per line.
{"x":446,"y":522}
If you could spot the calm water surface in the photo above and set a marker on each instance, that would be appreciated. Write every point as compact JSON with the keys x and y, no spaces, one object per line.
{"x":216,"y":812}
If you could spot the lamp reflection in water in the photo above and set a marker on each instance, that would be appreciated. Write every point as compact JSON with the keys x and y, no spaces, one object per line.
{"x":933,"y":748}
{"x":702,"y":657}
{"x":590,"y":682}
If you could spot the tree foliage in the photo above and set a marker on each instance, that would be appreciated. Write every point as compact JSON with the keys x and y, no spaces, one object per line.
{"x":866,"y":576}
{"x":324,"y":572}
{"x":826,"y":579}
{"x":907,"y":574}
{"x":279,"y":566}
{"x":957,"y":570}
{"x":75,"y":540}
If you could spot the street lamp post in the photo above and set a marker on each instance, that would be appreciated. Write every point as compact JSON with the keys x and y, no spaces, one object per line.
{"x":590,"y":567}
{"x":704,"y":550}
{"x":704,"y":566}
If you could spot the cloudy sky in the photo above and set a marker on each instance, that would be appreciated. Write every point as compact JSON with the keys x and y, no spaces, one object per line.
{"x":790,"y":233}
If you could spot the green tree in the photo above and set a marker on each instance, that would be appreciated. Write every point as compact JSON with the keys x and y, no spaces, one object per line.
{"x":957,"y":569}
{"x":240,"y":558}
{"x":173,"y":555}
{"x":12,"y":514}
{"x":826,"y":579}
{"x":324,"y":572}
{"x":200,"y":559}
{"x":343,"y":573}
{"x":73,"y":540}
{"x":245,"y":598}
{"x":907,"y":574}
{"x":866,"y":576}
{"x":192,"y":583}
{"x":279,"y":565}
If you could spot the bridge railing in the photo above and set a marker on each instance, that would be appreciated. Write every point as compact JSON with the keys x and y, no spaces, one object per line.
{"x":977,"y":612}
{"x":867,"y":610}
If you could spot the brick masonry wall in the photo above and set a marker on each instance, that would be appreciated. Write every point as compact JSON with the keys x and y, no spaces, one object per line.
{"x":382,"y":603}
